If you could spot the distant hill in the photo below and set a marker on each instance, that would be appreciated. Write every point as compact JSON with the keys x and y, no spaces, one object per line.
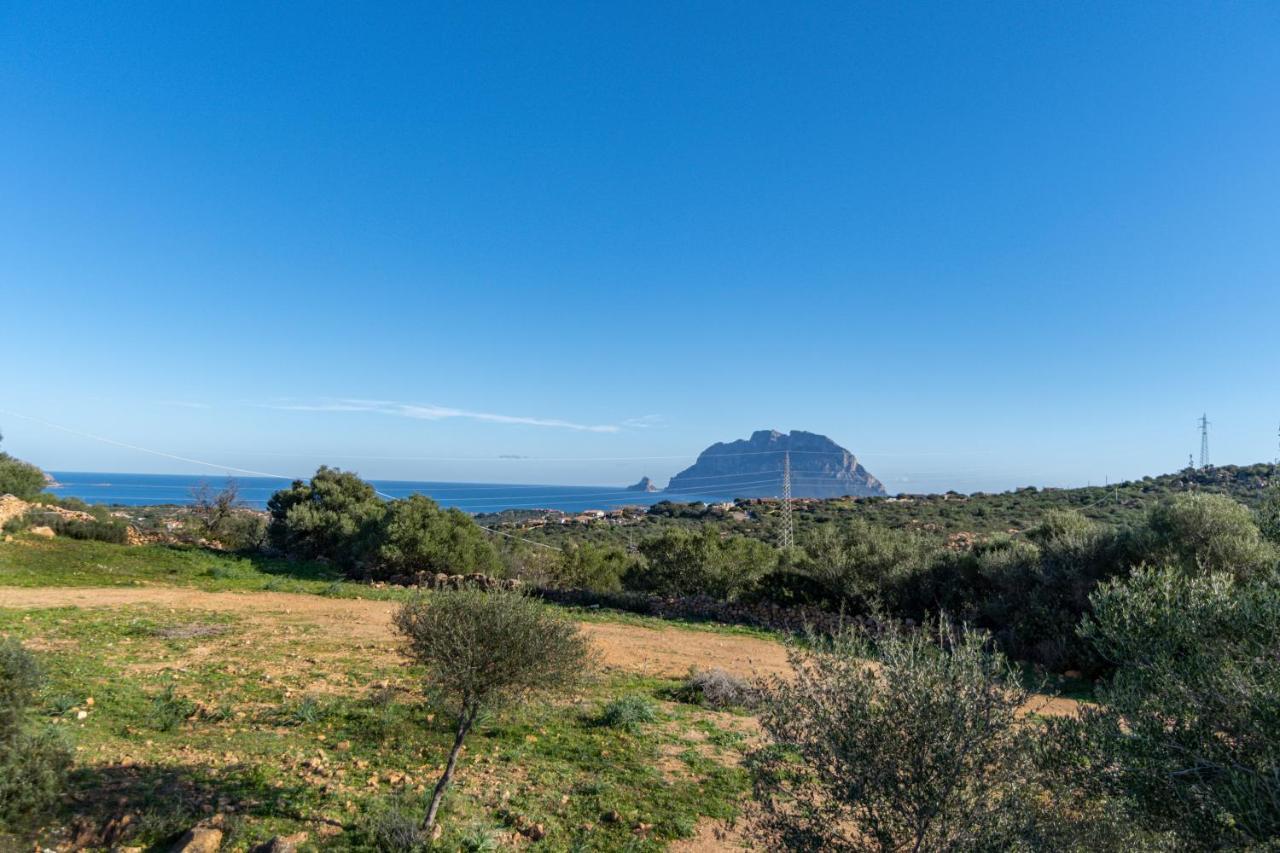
{"x":820,"y":468}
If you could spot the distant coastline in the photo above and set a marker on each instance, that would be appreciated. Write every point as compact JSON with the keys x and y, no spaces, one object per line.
{"x":127,"y":489}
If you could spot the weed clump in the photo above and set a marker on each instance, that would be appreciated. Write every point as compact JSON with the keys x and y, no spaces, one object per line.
{"x":168,"y":710}
{"x":628,"y":713}
{"x":715,"y":688}
{"x":396,"y":830}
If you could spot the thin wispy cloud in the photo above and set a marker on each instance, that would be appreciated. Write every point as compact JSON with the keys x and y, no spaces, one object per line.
{"x":645,"y":422}
{"x":434,"y":413}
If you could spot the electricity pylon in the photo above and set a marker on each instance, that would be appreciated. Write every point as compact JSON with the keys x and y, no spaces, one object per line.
{"x":788,"y":529}
{"x":1204,"y":440}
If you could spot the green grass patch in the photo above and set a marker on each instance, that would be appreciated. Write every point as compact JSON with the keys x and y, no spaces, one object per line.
{"x":285,"y":728}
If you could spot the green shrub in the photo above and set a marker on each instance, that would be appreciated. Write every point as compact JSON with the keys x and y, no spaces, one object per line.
{"x":628,"y":713}
{"x":33,"y":758}
{"x":1208,"y":533}
{"x":1268,"y":514}
{"x":594,"y":567}
{"x":112,"y":530}
{"x":416,"y":535}
{"x":19,"y":478}
{"x":702,"y":563}
{"x":334,"y":516}
{"x":922,"y":752}
{"x":858,"y":562}
{"x":1187,"y":727}
{"x":47,"y":499}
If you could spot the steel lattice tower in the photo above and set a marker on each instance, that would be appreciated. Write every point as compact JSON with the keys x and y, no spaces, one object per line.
{"x":1204,"y":440}
{"x":788,"y":529}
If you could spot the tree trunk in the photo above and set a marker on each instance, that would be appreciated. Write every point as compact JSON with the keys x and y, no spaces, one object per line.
{"x":464,"y":725}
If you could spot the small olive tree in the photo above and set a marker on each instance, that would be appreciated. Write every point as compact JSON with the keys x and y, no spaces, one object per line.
{"x":909,"y":741}
{"x":484,"y":650}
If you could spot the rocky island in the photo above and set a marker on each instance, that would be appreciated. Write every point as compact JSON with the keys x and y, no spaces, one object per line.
{"x":820,"y":468}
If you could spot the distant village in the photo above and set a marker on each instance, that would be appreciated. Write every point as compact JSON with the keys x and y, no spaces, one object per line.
{"x":740,"y":510}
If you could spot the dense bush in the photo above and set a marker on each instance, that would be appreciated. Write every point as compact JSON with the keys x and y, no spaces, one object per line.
{"x":592,"y":567}
{"x":1035,"y":600}
{"x":1269,"y":515}
{"x":334,"y":516}
{"x":1187,"y":726}
{"x":923,"y":751}
{"x":339,"y":517}
{"x":33,"y":759}
{"x":702,"y":563}
{"x":1208,"y":533}
{"x":858,"y":563}
{"x":482,"y":650}
{"x":19,"y":478}
{"x":416,"y":535}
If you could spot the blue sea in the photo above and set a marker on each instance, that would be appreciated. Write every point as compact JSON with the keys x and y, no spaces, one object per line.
{"x":152,"y":489}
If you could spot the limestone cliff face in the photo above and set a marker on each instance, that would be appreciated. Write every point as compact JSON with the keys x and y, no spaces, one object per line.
{"x":820,"y":468}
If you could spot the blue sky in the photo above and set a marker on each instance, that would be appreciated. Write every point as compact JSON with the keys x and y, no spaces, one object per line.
{"x":981,"y":245}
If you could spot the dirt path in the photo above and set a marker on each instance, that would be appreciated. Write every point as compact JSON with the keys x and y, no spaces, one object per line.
{"x":632,"y":648}
{"x":669,"y":652}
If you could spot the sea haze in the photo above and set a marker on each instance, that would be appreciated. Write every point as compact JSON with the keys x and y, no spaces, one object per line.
{"x":148,"y":489}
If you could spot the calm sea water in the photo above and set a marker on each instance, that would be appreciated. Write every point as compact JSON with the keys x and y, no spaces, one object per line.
{"x":148,"y":489}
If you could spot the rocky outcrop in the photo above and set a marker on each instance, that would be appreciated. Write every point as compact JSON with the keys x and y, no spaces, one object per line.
{"x":11,"y":507}
{"x":820,"y":468}
{"x":645,"y":485}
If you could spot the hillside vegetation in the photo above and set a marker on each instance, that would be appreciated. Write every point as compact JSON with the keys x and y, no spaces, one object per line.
{"x":1161,"y":601}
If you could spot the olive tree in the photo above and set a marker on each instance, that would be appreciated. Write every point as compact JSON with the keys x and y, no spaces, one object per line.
{"x":1187,"y":727}
{"x":909,"y":741}
{"x":483,"y":650}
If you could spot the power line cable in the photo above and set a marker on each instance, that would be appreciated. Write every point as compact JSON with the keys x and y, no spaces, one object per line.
{"x":201,"y":462}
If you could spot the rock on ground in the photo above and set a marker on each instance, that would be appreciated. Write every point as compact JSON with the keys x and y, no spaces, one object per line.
{"x":199,"y":839}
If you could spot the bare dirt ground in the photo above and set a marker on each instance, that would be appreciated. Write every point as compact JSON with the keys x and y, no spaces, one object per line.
{"x":666,"y":651}
{"x":632,"y":648}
